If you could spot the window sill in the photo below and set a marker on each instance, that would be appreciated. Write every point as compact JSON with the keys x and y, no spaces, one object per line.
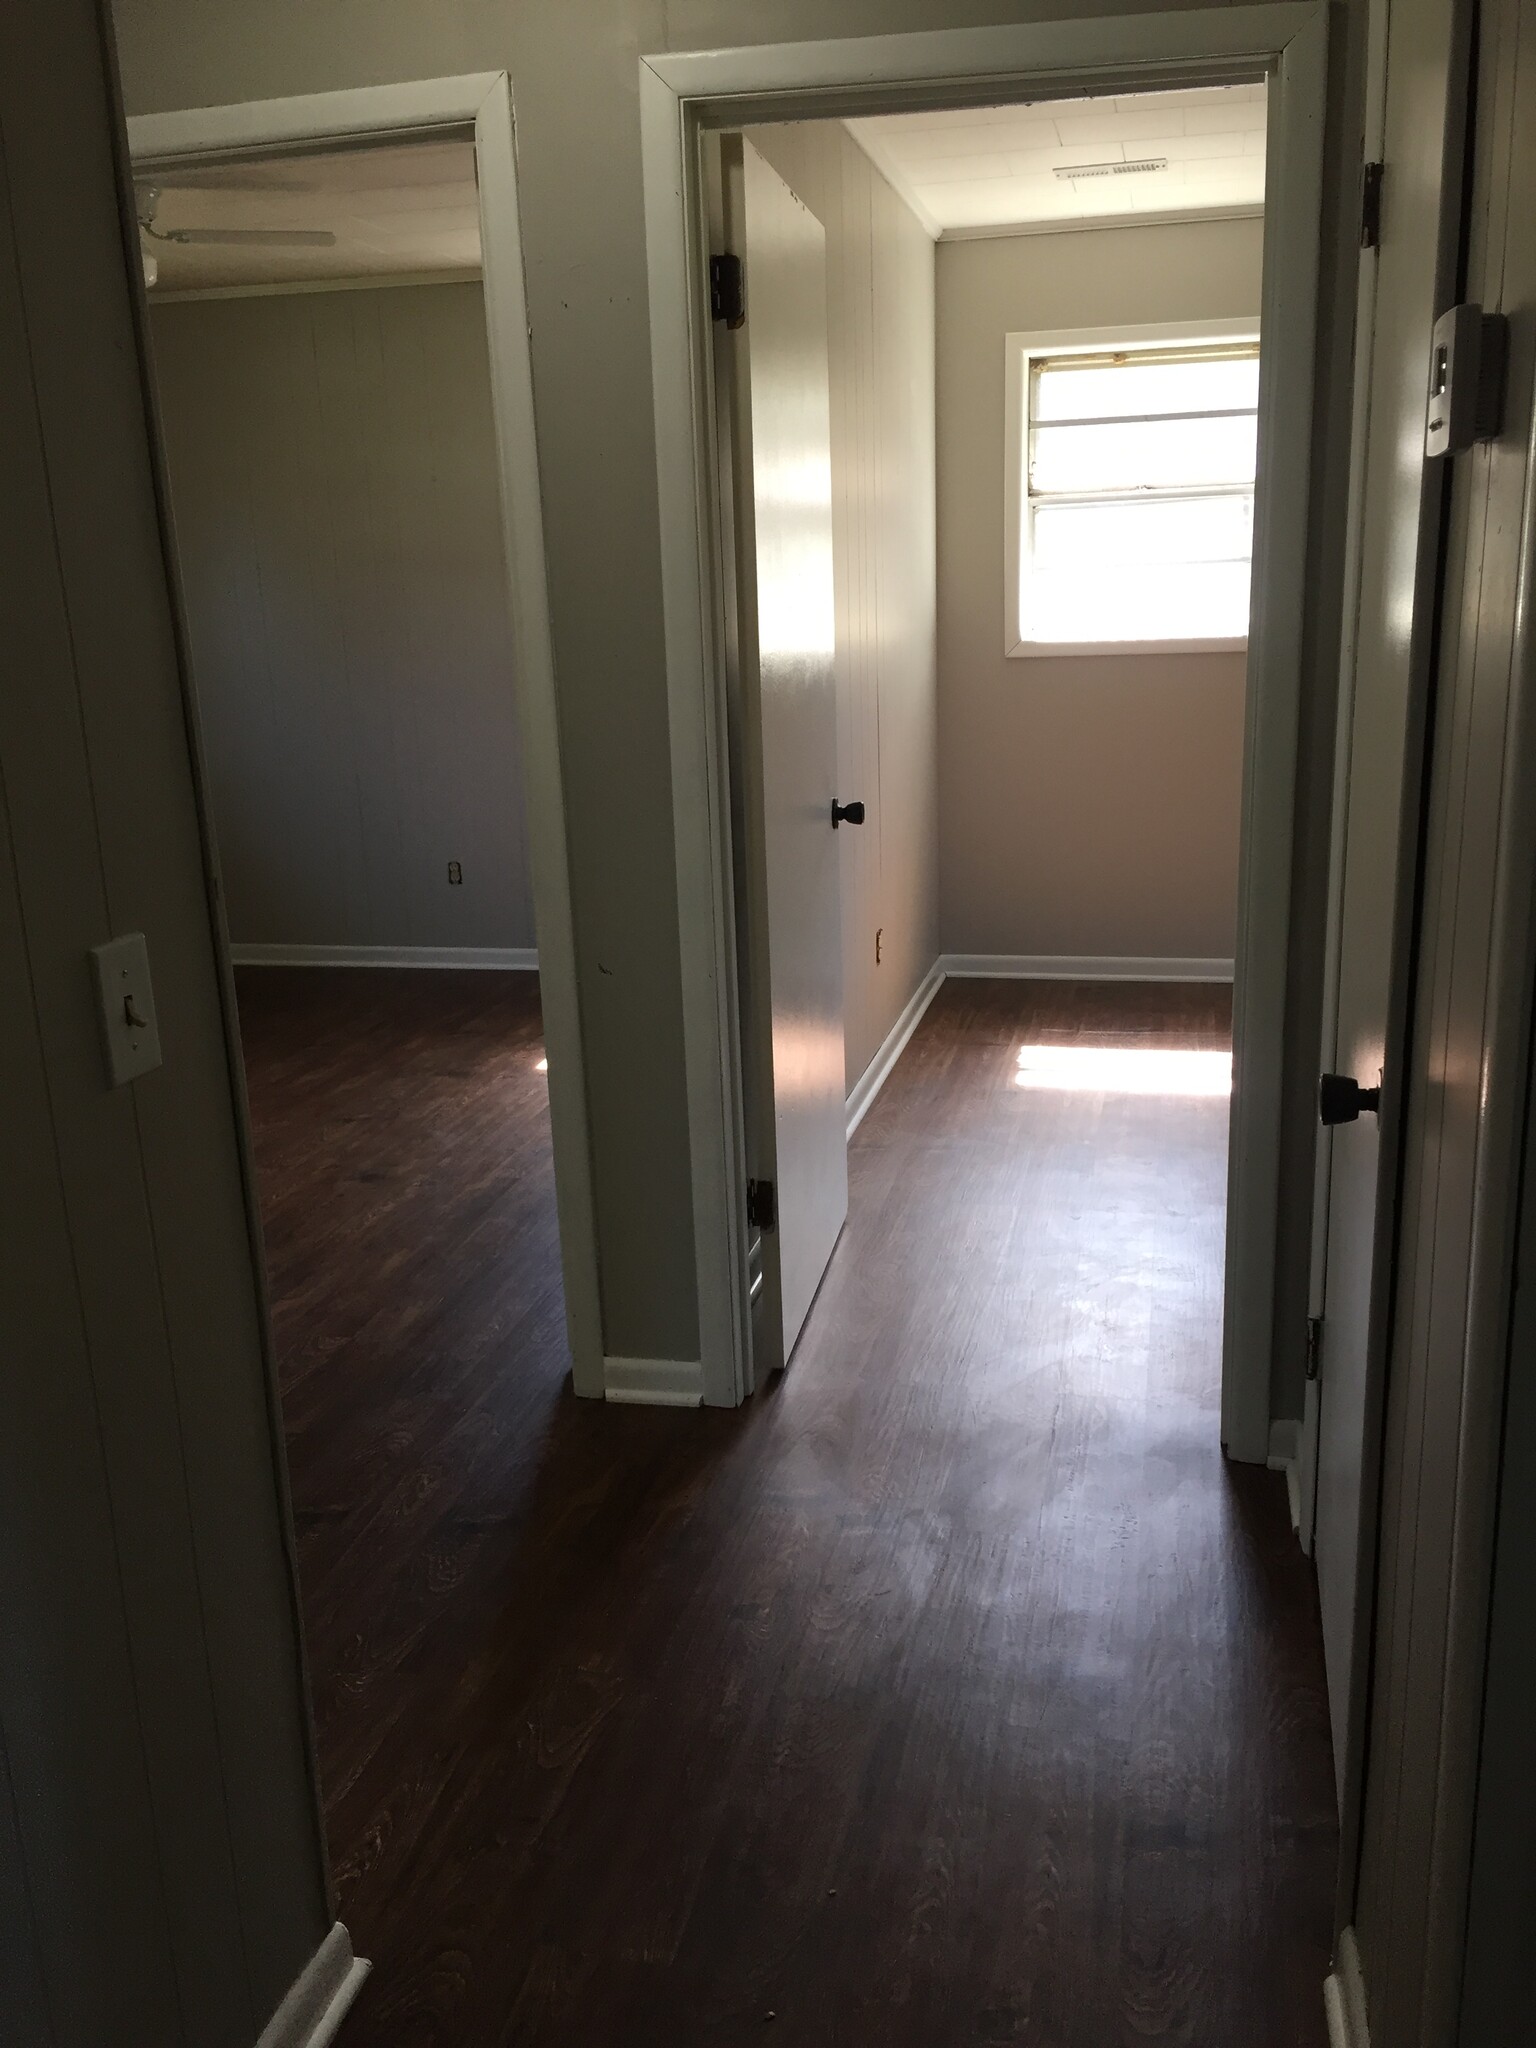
{"x":1054,"y":650}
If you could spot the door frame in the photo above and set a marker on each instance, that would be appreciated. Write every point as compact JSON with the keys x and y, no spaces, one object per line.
{"x":1377,"y":22}
{"x":682,"y":98}
{"x":478,"y":104}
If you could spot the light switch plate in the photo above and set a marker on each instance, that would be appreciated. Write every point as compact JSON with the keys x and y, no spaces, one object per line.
{"x":126,"y":998}
{"x":1466,"y":380}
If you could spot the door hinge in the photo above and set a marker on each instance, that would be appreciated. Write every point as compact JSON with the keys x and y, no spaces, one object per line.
{"x":1314,"y":1347}
{"x":727,"y":291}
{"x":762,"y":1210}
{"x":1370,"y":205}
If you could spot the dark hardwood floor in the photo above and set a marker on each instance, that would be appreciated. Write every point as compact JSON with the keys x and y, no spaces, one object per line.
{"x":955,"y":1691}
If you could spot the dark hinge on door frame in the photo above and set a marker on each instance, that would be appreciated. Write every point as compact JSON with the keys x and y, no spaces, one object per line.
{"x":1314,"y":1347}
{"x":727,"y":291}
{"x":762,"y":1212}
{"x":1370,"y":205}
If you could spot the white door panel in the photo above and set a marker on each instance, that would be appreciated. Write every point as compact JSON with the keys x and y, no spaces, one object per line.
{"x":1375,"y":825}
{"x":788,"y":733}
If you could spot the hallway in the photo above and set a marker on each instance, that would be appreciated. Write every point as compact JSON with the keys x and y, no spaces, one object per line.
{"x":953,"y":1692}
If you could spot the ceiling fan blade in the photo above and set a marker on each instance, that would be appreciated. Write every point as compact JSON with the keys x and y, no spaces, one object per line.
{"x":252,"y":238}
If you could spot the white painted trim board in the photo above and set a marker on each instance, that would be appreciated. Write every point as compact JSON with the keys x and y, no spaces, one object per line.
{"x":1285,"y":1456}
{"x":1344,"y":1998}
{"x":523,"y":958}
{"x":1082,"y":967}
{"x":655,"y":1382}
{"x":310,"y":287}
{"x":320,"y":1996}
{"x":874,"y":1077}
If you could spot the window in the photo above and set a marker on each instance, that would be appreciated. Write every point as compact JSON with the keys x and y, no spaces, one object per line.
{"x":1132,"y":497}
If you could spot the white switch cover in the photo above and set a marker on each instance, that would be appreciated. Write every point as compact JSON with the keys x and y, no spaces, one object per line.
{"x":128,"y":1023}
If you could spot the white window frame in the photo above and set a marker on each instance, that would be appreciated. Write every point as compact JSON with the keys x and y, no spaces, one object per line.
{"x":1023,"y":350}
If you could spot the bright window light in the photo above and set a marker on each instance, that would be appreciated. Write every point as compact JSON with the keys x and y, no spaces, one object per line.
{"x":1124,"y":1070}
{"x":1136,"y":507}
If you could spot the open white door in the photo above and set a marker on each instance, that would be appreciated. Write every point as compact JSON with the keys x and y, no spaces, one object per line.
{"x":1376,"y":815}
{"x":786,"y":742}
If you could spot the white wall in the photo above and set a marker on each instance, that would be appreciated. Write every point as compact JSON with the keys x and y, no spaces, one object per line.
{"x":880,"y":338}
{"x":335,"y":492}
{"x":1089,"y":804}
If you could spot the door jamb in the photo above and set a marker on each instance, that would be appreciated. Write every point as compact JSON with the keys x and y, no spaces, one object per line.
{"x":481,"y":103}
{"x":1338,"y":829}
{"x":682,"y":97}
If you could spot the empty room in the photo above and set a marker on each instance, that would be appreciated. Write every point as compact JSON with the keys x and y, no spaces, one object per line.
{"x":319,"y":339}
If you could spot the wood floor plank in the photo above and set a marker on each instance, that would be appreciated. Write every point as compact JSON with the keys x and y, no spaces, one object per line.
{"x":955,"y":1691}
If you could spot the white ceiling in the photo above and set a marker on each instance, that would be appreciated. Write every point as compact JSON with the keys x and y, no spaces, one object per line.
{"x":398,"y":210}
{"x":985,"y":170}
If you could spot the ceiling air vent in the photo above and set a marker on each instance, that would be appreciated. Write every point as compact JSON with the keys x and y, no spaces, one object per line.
{"x":1122,"y":170}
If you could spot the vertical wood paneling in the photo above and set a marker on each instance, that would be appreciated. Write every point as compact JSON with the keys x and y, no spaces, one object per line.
{"x":880,"y":314}
{"x":333,"y":472}
{"x":24,"y":2014}
{"x":150,"y":1686}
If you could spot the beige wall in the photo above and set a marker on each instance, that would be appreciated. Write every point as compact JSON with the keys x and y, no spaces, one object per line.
{"x":333,"y":474}
{"x":880,"y":336}
{"x":574,"y":72}
{"x":1088,"y":805}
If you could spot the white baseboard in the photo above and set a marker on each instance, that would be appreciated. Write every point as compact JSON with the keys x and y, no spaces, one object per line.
{"x":319,"y":1998}
{"x":1344,"y":1998}
{"x":1082,"y":967}
{"x":655,"y":1382}
{"x":875,"y":1075}
{"x":1285,"y":1456}
{"x":523,"y":957}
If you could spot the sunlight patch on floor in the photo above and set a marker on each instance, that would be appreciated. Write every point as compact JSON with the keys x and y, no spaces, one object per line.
{"x":1125,"y":1070}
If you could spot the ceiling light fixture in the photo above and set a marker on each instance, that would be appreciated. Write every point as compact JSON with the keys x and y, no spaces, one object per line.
{"x":1121,"y":170}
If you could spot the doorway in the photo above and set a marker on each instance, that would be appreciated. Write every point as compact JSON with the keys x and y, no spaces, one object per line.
{"x":209,"y":146}
{"x":686,"y":98}
{"x":1058,"y":799}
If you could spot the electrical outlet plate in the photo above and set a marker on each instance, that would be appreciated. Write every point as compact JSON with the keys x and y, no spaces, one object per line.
{"x":126,"y":1000}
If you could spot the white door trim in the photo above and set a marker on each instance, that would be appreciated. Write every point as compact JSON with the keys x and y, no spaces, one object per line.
{"x":1344,"y":1997}
{"x":681,"y":96}
{"x":480,"y":102}
{"x":861,"y":1096}
{"x":1085,"y":967}
{"x":319,"y":1998}
{"x":1344,"y":722}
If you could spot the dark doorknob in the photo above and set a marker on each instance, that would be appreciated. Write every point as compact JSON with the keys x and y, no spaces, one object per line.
{"x":846,"y":814}
{"x":1340,"y":1100}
